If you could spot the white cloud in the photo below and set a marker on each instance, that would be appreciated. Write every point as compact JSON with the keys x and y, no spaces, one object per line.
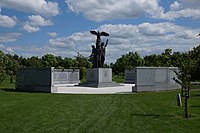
{"x":146,"y":38}
{"x":175,"y":5}
{"x":185,"y":13}
{"x":181,"y":9}
{"x":35,"y":22}
{"x":38,"y":20}
{"x":30,"y":28}
{"x":52,"y":34}
{"x":6,"y":49}
{"x":99,"y":10}
{"x":8,"y":22}
{"x":9,"y":37}
{"x":42,"y":7}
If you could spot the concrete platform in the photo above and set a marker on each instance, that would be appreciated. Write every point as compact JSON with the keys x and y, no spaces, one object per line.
{"x":126,"y":88}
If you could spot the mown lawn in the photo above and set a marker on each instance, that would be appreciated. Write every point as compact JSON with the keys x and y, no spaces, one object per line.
{"x":138,"y":112}
{"x":6,"y":84}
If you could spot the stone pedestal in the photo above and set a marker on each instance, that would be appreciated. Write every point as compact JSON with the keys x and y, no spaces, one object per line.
{"x":99,"y":77}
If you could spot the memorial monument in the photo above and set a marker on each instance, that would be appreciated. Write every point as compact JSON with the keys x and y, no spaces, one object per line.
{"x":155,"y":79}
{"x":45,"y":79}
{"x":98,"y":76}
{"x":98,"y":52}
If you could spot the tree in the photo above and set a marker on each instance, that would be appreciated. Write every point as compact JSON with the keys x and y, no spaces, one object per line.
{"x":34,"y":61}
{"x":12,"y":66}
{"x":162,"y":60}
{"x":184,"y":79}
{"x":152,"y":60}
{"x":195,"y":57}
{"x":49,"y":60}
{"x":3,"y":65}
{"x":81,"y":61}
{"x":127,"y":61}
{"x":165,"y":58}
{"x":68,"y":63}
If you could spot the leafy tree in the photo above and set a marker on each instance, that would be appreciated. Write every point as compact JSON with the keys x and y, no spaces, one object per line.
{"x":81,"y":61}
{"x":34,"y":61}
{"x":163,"y":60}
{"x":68,"y":63}
{"x":59,"y":62}
{"x":3,"y":65}
{"x":195,"y":57}
{"x":12,"y":66}
{"x":127,"y":61}
{"x":49,"y":60}
{"x":152,"y":60}
{"x":184,"y":79}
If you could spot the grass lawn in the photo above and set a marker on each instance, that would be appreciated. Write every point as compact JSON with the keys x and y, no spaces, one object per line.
{"x":6,"y":84}
{"x":137,"y":112}
{"x":118,"y":78}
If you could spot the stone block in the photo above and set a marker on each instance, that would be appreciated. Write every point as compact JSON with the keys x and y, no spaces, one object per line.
{"x":130,"y":76}
{"x":155,"y":79}
{"x":45,"y":79}
{"x":99,"y":77}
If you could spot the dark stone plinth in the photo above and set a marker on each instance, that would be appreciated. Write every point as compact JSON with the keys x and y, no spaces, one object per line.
{"x":130,"y":76}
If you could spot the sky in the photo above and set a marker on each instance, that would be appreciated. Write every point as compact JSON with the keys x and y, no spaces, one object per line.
{"x":61,"y":27}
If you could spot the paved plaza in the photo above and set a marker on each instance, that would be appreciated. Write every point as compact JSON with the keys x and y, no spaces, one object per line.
{"x":125,"y":88}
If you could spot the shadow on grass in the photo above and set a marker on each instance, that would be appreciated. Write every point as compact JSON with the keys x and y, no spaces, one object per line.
{"x":195,"y":95}
{"x":195,"y":106}
{"x":153,"y":115}
{"x":16,"y":90}
{"x":8,"y":89}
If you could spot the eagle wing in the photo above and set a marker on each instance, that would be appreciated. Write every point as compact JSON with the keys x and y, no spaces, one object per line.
{"x":93,"y":32}
{"x":104,"y":34}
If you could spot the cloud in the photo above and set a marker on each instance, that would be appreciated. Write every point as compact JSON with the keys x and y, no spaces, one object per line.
{"x":181,"y":9}
{"x":174,"y":6}
{"x":100,"y":10}
{"x":9,"y":37}
{"x":184,"y":13}
{"x":30,"y":28}
{"x":6,"y":49}
{"x":42,"y":7}
{"x":52,"y":34}
{"x":36,"y":21}
{"x":145,"y":38}
{"x":8,"y":22}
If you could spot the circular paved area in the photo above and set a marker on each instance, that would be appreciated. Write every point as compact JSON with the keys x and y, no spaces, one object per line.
{"x":126,"y":88}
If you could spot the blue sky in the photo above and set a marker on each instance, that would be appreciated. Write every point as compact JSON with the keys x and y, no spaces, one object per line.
{"x":61,"y":27}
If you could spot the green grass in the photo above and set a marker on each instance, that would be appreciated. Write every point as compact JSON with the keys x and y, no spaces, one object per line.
{"x":138,"y":112}
{"x":6,"y":83}
{"x":118,"y":78}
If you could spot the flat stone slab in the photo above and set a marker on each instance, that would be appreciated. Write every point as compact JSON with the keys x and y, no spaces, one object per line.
{"x":124,"y":88}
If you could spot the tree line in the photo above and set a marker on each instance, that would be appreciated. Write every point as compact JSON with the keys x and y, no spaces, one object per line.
{"x":189,"y":61}
{"x":9,"y":64}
